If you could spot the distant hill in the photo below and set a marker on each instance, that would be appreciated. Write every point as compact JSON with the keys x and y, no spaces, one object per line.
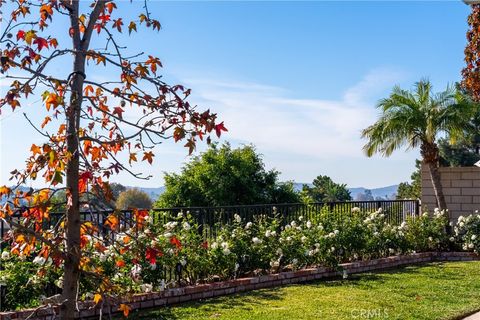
{"x":388,"y":192}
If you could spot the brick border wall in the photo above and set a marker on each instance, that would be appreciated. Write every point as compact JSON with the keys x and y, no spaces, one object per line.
{"x":461,"y":187}
{"x":192,"y":293}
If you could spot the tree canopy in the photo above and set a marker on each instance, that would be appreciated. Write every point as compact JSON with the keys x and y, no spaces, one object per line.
{"x":416,"y":119}
{"x":412,"y":189}
{"x":325,"y":190}
{"x":225,"y":176}
{"x":133,"y":198}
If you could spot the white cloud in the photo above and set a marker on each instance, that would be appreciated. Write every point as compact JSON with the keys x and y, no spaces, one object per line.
{"x":269,"y":118}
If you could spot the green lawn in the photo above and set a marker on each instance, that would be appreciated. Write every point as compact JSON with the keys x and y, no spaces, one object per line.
{"x":431,"y":291}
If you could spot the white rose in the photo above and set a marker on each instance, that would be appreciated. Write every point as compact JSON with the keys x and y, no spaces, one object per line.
{"x":255,"y":240}
{"x":186,"y":226}
{"x":5,"y":255}
{"x":146,"y":287}
{"x":309,"y":224}
{"x":226,"y":251}
{"x":248,"y":225}
{"x":274,"y":264}
{"x":474,"y":236}
{"x":39,"y":260}
{"x":237,"y":218}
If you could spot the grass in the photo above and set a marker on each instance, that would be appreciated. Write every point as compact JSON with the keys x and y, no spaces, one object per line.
{"x":429,"y":291}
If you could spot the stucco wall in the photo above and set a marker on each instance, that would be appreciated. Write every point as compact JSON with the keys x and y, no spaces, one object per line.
{"x":461,"y":187}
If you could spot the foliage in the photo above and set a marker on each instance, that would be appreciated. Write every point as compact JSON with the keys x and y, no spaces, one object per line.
{"x":467,"y":232}
{"x":460,"y":154}
{"x":133,"y":198}
{"x":427,"y":233}
{"x":155,"y":251}
{"x":89,"y":126}
{"x":325,"y":190}
{"x":412,"y":190}
{"x":470,"y":74}
{"x":447,"y":290}
{"x":25,"y":283}
{"x":225,"y":176}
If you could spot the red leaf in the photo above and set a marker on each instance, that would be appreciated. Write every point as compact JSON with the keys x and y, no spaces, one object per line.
{"x":176,"y":242}
{"x":118,"y":111}
{"x":219,"y":128}
{"x":41,"y":43}
{"x":20,"y":34}
{"x":151,"y":255}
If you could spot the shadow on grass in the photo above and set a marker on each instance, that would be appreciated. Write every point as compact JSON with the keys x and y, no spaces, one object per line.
{"x":251,"y":299}
{"x":246,"y":301}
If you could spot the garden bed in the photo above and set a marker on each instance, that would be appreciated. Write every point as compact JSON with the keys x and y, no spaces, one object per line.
{"x":191,"y":293}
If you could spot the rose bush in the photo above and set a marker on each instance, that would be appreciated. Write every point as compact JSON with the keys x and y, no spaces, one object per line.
{"x":467,"y":232}
{"x":156,"y":252}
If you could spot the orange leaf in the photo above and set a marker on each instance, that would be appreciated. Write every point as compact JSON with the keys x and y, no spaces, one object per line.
{"x":111,"y":221}
{"x":97,"y":298}
{"x":110,"y":6}
{"x":133,"y":157}
{"x":45,"y":121}
{"x":88,"y":89}
{"x":148,"y":156}
{"x":126,"y":309}
{"x":35,"y":149}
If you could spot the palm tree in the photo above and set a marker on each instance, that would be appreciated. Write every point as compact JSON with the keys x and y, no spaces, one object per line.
{"x":415,"y":119}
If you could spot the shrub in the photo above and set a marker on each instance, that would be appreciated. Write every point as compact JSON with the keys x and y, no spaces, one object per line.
{"x":467,"y":232}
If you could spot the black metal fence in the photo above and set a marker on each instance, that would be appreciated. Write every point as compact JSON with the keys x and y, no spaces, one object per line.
{"x":210,"y":218}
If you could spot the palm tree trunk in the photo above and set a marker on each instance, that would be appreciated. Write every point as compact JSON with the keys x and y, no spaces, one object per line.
{"x":437,"y":185}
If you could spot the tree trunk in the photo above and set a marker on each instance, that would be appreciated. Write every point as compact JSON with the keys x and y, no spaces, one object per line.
{"x":77,"y":77}
{"x":430,"y":154}
{"x":437,"y":186}
{"x":73,"y":223}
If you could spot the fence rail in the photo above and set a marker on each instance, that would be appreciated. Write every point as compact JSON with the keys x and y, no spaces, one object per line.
{"x":210,"y":218}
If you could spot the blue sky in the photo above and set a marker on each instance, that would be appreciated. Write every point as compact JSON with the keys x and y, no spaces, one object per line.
{"x":297,"y":79}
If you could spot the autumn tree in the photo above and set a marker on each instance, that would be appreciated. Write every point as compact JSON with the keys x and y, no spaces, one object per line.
{"x":471,"y":72}
{"x":89,"y":125}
